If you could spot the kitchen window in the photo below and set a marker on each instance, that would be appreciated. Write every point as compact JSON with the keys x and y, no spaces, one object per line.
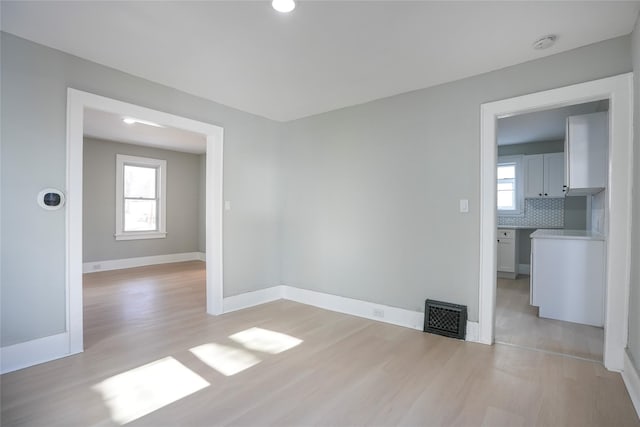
{"x":140,"y":198}
{"x":510,"y":188}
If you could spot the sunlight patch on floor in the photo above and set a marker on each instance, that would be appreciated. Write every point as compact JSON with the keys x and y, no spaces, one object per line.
{"x":266,"y":341}
{"x":226,"y":360}
{"x":142,"y":390}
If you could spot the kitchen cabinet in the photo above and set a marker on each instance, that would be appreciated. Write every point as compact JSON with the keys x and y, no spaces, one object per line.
{"x":586,"y":149}
{"x":544,"y":175}
{"x":507,"y":259}
{"x":567,"y":275}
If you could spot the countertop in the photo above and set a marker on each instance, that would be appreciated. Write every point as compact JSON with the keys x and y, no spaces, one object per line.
{"x":567,"y":234}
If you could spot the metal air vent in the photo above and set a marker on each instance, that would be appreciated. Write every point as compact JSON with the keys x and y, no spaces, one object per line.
{"x":446,"y":319}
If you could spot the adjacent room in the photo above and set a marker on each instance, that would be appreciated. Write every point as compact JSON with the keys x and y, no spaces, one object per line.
{"x":137,"y":178}
{"x":308,"y":212}
{"x":535,"y":203}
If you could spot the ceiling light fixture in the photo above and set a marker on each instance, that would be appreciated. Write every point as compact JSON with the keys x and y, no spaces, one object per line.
{"x":545,"y":42}
{"x":283,"y":6}
{"x":131,"y":121}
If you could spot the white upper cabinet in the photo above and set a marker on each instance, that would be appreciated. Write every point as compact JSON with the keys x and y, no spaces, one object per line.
{"x":586,"y":146}
{"x":534,"y":176}
{"x":554,"y":175}
{"x":544,"y":175}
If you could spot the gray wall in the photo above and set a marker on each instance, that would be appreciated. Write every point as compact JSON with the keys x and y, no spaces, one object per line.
{"x":202,"y":205}
{"x":634,"y":298}
{"x":34,"y":81}
{"x":370,"y":192}
{"x":575,"y":212}
{"x":360,"y":202}
{"x":99,"y":198}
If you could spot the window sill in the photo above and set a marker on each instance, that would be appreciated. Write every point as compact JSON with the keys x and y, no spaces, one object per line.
{"x":141,"y":235}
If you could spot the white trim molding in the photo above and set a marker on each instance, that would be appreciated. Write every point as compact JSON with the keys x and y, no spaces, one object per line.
{"x":472,"y":331}
{"x":77,"y":102}
{"x":632,"y":382}
{"x":119,"y":264}
{"x":23,"y":355}
{"x":518,"y":162}
{"x":618,"y":90}
{"x":160,"y":168}
{"x":368,"y":310}
{"x":251,"y":299}
{"x":354,"y":307}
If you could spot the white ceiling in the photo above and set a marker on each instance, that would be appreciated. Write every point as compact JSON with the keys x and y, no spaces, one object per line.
{"x":109,"y":126}
{"x":323,"y":56}
{"x":547,"y":125}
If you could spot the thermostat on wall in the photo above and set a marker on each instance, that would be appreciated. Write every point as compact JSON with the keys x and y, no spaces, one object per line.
{"x":51,"y":199}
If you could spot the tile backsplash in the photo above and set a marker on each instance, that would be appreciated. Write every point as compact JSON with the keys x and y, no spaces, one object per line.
{"x":538,"y":213}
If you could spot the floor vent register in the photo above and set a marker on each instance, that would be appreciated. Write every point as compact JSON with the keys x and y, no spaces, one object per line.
{"x":446,"y":319}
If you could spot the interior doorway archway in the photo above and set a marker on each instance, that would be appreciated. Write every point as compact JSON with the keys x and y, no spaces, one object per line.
{"x":77,"y":101}
{"x":618,"y":90}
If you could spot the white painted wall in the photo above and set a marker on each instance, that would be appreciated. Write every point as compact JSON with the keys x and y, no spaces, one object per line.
{"x":34,"y":81}
{"x":370,"y":193}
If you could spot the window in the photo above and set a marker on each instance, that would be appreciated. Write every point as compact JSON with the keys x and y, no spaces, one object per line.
{"x":140,"y":197}
{"x":510,"y":195}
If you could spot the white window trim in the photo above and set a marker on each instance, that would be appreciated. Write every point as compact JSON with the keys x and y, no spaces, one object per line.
{"x":519,"y":210}
{"x":161,"y":165}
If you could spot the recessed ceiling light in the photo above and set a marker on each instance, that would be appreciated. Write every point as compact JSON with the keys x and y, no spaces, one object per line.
{"x":545,"y":42}
{"x":284,"y":6}
{"x":130,"y":121}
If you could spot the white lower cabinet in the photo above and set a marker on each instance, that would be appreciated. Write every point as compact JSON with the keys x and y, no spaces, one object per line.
{"x":567,"y":279}
{"x":507,"y":259}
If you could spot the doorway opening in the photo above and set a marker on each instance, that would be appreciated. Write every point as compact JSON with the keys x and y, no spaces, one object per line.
{"x":617,"y":202}
{"x":562,"y":310}
{"x":143,"y":205}
{"x":78,"y":103}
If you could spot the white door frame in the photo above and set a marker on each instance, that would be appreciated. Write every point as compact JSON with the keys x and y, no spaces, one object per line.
{"x":619,"y":91}
{"x":77,"y":101}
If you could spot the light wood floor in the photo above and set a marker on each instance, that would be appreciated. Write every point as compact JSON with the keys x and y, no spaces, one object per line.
{"x":518,"y":323}
{"x":346,"y":370}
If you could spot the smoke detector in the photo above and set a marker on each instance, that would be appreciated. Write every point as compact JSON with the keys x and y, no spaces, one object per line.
{"x":545,"y":42}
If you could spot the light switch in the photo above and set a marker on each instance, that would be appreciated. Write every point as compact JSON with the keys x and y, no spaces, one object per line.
{"x":464,"y":206}
{"x":227,"y":205}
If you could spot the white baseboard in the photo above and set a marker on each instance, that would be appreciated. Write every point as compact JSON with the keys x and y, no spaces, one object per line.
{"x":632,"y":381}
{"x":472,"y":331}
{"x":118,"y":264}
{"x":524,"y":269}
{"x":202,"y":256}
{"x":45,"y":349}
{"x":23,"y":355}
{"x":354,"y":307}
{"x":368,"y":310}
{"x":250,"y":299}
